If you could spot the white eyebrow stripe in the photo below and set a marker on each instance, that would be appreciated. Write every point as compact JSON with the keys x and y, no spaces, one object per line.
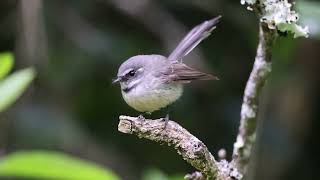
{"x":140,"y":69}
{"x":130,"y":69}
{"x":127,"y":71}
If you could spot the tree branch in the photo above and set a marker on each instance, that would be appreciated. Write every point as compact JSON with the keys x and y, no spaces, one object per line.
{"x":273,"y":16}
{"x":188,"y":146}
{"x":249,"y":110}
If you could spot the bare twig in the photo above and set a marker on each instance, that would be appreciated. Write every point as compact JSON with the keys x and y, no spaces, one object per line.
{"x":249,"y":111}
{"x":188,"y":146}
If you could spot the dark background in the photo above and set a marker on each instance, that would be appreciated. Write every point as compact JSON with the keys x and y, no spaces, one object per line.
{"x":78,"y":45}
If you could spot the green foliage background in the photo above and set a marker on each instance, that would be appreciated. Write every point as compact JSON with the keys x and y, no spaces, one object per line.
{"x":70,"y":51}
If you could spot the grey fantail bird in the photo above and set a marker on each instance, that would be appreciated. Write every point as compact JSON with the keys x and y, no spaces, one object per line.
{"x":151,"y":82}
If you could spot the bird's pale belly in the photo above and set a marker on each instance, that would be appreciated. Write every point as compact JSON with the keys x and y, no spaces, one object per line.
{"x":152,"y":100}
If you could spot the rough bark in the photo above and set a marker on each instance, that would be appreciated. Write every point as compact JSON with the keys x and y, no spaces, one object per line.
{"x":188,"y":146}
{"x":249,"y":110}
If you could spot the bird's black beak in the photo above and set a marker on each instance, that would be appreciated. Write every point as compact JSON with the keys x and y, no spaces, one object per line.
{"x":116,"y":80}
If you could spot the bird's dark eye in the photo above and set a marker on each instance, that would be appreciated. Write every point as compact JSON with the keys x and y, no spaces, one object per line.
{"x":132,"y":73}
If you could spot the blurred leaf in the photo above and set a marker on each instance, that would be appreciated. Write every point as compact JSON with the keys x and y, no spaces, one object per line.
{"x":14,"y":85}
{"x":176,"y":177}
{"x":51,"y":165}
{"x":154,"y":174}
{"x":6,"y":63}
{"x":310,"y":15}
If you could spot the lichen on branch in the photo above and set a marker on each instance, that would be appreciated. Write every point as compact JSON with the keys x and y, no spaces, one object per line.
{"x":275,"y":15}
{"x":249,"y":111}
{"x":278,"y":14}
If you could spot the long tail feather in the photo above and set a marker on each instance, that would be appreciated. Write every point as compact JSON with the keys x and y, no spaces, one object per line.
{"x":193,"y":38}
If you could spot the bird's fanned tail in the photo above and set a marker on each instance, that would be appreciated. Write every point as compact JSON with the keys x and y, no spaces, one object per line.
{"x":193,"y":38}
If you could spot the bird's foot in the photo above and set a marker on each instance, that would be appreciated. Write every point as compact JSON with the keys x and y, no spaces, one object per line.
{"x":166,"y":121}
{"x":141,"y":117}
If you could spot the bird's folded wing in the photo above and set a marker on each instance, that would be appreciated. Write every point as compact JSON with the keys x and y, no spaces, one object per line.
{"x":181,"y":73}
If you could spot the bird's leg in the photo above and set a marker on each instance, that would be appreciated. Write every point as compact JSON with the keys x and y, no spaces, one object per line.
{"x":166,"y":119}
{"x":141,"y":117}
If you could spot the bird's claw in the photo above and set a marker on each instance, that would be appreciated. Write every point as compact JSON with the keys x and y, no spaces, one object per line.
{"x":141,"y":117}
{"x":166,"y":121}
